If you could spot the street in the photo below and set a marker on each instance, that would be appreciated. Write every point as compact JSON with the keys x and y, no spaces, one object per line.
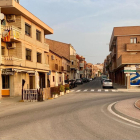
{"x":82,"y":114}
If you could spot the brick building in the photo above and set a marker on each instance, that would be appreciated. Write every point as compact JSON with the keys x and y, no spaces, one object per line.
{"x":23,"y":50}
{"x":125,"y":52}
{"x":61,"y":50}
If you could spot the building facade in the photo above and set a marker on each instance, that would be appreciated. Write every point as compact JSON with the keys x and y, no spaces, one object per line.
{"x":23,"y":50}
{"x":125,"y":51}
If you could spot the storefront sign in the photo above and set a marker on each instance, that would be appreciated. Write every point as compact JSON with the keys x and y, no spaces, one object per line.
{"x":7,"y":72}
{"x":129,"y":69}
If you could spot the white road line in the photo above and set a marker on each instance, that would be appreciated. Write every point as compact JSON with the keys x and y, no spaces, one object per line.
{"x":106,"y":90}
{"x":78,"y":90}
{"x":99,"y":90}
{"x":85,"y":90}
{"x":92,"y":90}
{"x":111,"y":111}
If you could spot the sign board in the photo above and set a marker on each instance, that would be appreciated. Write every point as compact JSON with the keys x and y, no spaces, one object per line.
{"x":129,"y":69}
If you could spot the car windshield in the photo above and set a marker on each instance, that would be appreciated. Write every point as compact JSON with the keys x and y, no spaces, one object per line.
{"x":107,"y":81}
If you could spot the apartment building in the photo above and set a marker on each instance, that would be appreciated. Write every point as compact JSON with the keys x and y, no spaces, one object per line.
{"x":61,"y":50}
{"x":90,"y":70}
{"x":82,"y":66}
{"x":23,"y":50}
{"x":74,"y":66}
{"x":125,"y":52}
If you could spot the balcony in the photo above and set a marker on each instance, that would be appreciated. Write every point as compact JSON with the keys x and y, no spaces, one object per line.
{"x":81,"y":65}
{"x":56,"y":66}
{"x":81,"y":72}
{"x":128,"y":59}
{"x":46,"y":47}
{"x":114,"y":66}
{"x":10,"y":60}
{"x":14,"y":33}
{"x":133,"y":47}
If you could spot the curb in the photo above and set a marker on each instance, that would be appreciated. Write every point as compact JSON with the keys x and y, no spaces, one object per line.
{"x":135,"y":104}
{"x":123,"y":115}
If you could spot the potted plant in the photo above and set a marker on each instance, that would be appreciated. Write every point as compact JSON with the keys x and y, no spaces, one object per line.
{"x":67,"y":89}
{"x":62,"y":89}
{"x":55,"y":95}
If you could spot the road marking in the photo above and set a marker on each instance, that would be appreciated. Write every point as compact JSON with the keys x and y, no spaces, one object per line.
{"x":99,"y":90}
{"x":78,"y":90}
{"x":72,"y":91}
{"x":92,"y":90}
{"x":85,"y":90}
{"x":111,"y":111}
{"x":106,"y":90}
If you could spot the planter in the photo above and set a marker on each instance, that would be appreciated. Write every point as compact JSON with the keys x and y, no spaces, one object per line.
{"x":55,"y":96}
{"x":61,"y":93}
{"x":67,"y":91}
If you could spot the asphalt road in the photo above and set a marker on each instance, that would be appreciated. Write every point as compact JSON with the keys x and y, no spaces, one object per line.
{"x":77,"y":116}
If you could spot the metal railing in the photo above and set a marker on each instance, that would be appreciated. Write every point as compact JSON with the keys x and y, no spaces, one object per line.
{"x":30,"y":95}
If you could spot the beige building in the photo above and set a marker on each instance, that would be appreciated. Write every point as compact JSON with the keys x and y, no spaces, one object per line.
{"x":23,"y":50}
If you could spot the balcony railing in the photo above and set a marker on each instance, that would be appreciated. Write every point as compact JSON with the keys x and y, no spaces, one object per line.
{"x":82,"y":72}
{"x":133,"y":47}
{"x":81,"y":65}
{"x":14,"y":33}
{"x":10,"y":60}
{"x":113,"y":53}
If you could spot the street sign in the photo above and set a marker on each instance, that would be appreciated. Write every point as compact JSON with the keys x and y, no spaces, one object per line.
{"x":129,"y":69}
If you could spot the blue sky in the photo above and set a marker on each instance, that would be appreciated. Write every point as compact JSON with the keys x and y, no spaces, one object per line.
{"x":86,"y":24}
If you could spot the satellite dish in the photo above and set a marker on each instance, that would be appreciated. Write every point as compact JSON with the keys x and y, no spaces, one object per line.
{"x":1,"y":16}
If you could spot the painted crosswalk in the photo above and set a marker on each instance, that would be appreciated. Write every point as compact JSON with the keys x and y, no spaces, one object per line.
{"x":95,"y":90}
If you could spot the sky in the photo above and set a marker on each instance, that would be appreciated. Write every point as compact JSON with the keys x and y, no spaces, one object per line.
{"x":85,"y":24}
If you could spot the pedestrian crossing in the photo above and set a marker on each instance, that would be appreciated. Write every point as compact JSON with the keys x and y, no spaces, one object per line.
{"x":95,"y":90}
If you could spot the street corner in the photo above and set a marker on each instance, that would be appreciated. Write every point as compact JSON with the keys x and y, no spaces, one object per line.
{"x":137,"y":104}
{"x":121,"y":109}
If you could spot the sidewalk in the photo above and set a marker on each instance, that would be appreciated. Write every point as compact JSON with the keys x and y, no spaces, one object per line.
{"x":124,"y":89}
{"x":127,"y":109}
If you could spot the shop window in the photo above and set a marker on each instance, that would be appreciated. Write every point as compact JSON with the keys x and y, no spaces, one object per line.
{"x":28,"y":54}
{"x":27,"y":29}
{"x":39,"y":57}
{"x":5,"y":82}
{"x":133,"y":40}
{"x":38,"y":35}
{"x":2,"y":50}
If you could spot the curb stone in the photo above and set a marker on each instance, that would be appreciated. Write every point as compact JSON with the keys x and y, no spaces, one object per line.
{"x":135,"y":104}
{"x":123,"y":115}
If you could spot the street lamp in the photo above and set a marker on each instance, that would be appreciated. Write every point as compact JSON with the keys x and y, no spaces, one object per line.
{"x":1,"y":18}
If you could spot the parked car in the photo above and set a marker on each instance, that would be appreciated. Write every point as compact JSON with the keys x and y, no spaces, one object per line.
{"x":85,"y":80}
{"x":79,"y":81}
{"x":102,"y":80}
{"x":71,"y":83}
{"x":107,"y":83}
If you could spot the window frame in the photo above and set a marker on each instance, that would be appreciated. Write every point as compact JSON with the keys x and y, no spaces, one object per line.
{"x":133,"y":40}
{"x":38,"y":35}
{"x":40,"y":57}
{"x":27,"y":27}
{"x":29,"y":56}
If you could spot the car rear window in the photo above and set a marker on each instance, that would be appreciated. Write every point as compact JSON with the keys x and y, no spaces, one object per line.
{"x":107,"y":81}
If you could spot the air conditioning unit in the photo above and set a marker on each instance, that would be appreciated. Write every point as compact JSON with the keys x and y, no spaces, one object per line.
{"x":53,"y":57}
{"x":10,"y":18}
{"x":11,"y":45}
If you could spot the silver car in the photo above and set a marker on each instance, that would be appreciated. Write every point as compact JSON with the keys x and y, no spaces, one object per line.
{"x":107,"y":83}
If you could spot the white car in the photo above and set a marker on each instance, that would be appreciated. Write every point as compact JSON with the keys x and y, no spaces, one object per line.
{"x":107,"y":83}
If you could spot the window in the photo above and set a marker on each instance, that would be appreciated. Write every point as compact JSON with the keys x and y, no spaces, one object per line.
{"x":53,"y":79}
{"x":27,"y":29}
{"x":2,"y":50}
{"x":28,"y":54}
{"x":38,"y":35}
{"x":5,"y":82}
{"x":60,"y":79}
{"x":72,"y":62}
{"x":39,"y":57}
{"x":133,"y":40}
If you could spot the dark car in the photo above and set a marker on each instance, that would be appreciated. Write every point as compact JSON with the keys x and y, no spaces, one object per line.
{"x":71,"y":83}
{"x":85,"y":80}
{"x":79,"y":81}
